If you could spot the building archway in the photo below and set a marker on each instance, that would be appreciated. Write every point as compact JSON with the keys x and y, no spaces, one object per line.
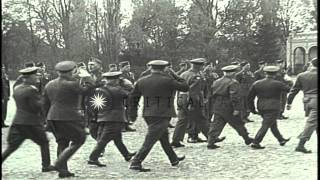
{"x":313,"y":52}
{"x":299,"y":59}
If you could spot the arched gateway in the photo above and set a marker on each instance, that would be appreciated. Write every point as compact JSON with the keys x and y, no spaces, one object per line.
{"x":301,"y":48}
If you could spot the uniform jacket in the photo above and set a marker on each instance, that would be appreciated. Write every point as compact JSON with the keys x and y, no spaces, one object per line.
{"x":157,"y":90}
{"x":63,"y":98}
{"x":113,"y":109}
{"x":29,"y":105}
{"x":307,"y":82}
{"x":226,"y":99}
{"x":197,"y":85}
{"x":268,"y":91}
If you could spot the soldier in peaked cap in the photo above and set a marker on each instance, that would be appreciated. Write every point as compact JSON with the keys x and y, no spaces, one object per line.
{"x":43,"y":75}
{"x":308,"y":83}
{"x":107,"y":102}
{"x":112,"y":67}
{"x":157,"y":89}
{"x":246,"y":78}
{"x":19,"y":78}
{"x":268,"y":91}
{"x":191,"y":106}
{"x":64,"y":113}
{"x":259,"y":74}
{"x":28,"y":120}
{"x":226,"y":107}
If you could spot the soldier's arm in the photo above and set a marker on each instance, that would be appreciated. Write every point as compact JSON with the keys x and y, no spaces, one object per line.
{"x":46,"y":102}
{"x":251,"y":96}
{"x":180,"y":85}
{"x":134,"y":98}
{"x":294,"y":90}
{"x":234,"y":96}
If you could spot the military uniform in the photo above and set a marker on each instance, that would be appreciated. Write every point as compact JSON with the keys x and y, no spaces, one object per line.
{"x":268,"y":91}
{"x":107,"y":102}
{"x":28,"y":120}
{"x":157,"y":89}
{"x":65,"y":115}
{"x":191,"y":108}
{"x":245,"y":79}
{"x":308,"y":83}
{"x":259,"y":74}
{"x":5,"y":95}
{"x":225,"y":92}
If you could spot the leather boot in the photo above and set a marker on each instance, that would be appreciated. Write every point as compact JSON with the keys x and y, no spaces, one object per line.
{"x":301,"y":148}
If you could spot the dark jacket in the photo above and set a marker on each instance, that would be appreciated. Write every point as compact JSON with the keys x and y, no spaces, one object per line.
{"x":268,"y":91}
{"x":259,"y":74}
{"x":29,"y":105}
{"x":246,"y":79}
{"x":63,"y":98}
{"x":157,"y":90}
{"x":112,"y":107}
{"x":226,"y":99}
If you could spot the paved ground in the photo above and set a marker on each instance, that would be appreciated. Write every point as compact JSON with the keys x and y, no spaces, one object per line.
{"x":233,"y":160}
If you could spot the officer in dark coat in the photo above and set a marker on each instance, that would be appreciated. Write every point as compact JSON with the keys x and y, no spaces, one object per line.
{"x":107,"y":102}
{"x":268,"y":91}
{"x":28,"y":120}
{"x":5,"y":95}
{"x":246,"y":78}
{"x":226,"y":107}
{"x":259,"y":74}
{"x":156,"y":89}
{"x":308,"y":83}
{"x":191,"y":109}
{"x":64,"y":113}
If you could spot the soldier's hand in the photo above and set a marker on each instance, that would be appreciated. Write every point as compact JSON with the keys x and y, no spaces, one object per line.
{"x":288,"y":106}
{"x":235,"y":113}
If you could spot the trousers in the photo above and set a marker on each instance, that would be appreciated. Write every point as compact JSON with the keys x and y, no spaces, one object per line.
{"x":269,"y":121}
{"x":157,"y":130}
{"x":312,"y":120}
{"x":19,"y":133}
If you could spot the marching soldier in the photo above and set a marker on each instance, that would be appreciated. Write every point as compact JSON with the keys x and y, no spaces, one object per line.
{"x":226,"y":107}
{"x":259,"y":74}
{"x":5,"y":95}
{"x":281,"y":77}
{"x":157,"y":90}
{"x":28,"y":120}
{"x":112,"y":67}
{"x":107,"y":102}
{"x":191,"y":106}
{"x":64,"y":113}
{"x":308,"y":83}
{"x":268,"y":92}
{"x":246,"y":78}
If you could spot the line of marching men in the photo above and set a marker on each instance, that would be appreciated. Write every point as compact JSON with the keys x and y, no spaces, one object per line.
{"x":205,"y":103}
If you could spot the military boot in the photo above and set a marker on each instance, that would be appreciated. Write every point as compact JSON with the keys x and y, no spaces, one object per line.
{"x":301,"y":148}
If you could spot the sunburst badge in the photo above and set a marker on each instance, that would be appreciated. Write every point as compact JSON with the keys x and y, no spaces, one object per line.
{"x":98,"y":101}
